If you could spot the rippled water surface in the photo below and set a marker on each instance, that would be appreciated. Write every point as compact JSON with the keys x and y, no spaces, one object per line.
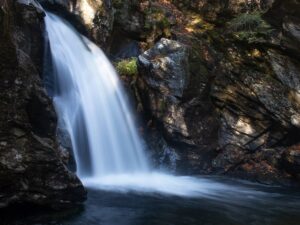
{"x":249,"y":204}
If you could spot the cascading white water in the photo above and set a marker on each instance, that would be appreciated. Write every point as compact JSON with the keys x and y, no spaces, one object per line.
{"x":90,"y":104}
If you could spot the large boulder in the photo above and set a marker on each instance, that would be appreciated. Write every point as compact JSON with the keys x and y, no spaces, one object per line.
{"x":166,"y":79}
{"x":32,"y":165}
{"x":165,"y":72}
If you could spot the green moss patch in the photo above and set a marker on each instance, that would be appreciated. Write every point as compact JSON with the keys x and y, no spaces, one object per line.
{"x":127,"y":67}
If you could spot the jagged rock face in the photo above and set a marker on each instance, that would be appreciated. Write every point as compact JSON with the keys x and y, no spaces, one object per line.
{"x":103,"y":24}
{"x":189,"y":121}
{"x":129,"y":17}
{"x":258,"y":114}
{"x":32,"y":166}
{"x":238,"y":110}
{"x":291,"y":160}
{"x":285,"y":16}
{"x":98,"y":16}
{"x":165,"y":72}
{"x":94,"y":18}
{"x":211,"y":9}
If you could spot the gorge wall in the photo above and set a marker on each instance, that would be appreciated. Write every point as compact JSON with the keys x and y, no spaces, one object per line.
{"x":32,"y":165}
{"x":218,"y":81}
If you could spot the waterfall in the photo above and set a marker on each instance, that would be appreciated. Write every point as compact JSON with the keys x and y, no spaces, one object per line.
{"x":91,"y":105}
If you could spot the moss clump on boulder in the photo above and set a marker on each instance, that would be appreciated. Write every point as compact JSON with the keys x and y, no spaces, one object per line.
{"x":127,"y":67}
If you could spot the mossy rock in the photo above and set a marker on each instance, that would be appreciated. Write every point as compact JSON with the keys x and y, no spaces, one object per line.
{"x":127,"y":67}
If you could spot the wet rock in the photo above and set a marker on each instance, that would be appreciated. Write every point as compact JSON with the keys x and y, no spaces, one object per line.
{"x":128,"y":17}
{"x":229,"y":158}
{"x":124,"y":49}
{"x":164,"y":85}
{"x":213,"y":9}
{"x":65,"y":145}
{"x":32,"y":167}
{"x":263,"y":166}
{"x":275,"y":98}
{"x":286,"y":69}
{"x":258,"y":112}
{"x":237,"y":110}
{"x":166,"y":64}
{"x":285,"y":17}
{"x":291,"y":160}
{"x":165,"y":72}
{"x":162,"y":154}
{"x":291,"y":32}
{"x":102,"y":24}
{"x":242,"y":131}
{"x":93,"y":18}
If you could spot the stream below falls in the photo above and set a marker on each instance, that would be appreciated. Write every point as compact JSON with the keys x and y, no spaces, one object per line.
{"x":259,"y":205}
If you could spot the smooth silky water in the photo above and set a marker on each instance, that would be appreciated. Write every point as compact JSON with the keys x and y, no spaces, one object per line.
{"x":111,"y":162}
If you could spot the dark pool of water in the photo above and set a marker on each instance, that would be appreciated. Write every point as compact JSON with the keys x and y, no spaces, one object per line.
{"x":279,"y":206}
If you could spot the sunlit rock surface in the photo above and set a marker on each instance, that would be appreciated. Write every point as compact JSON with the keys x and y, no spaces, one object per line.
{"x":238,"y":111}
{"x":94,"y":18}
